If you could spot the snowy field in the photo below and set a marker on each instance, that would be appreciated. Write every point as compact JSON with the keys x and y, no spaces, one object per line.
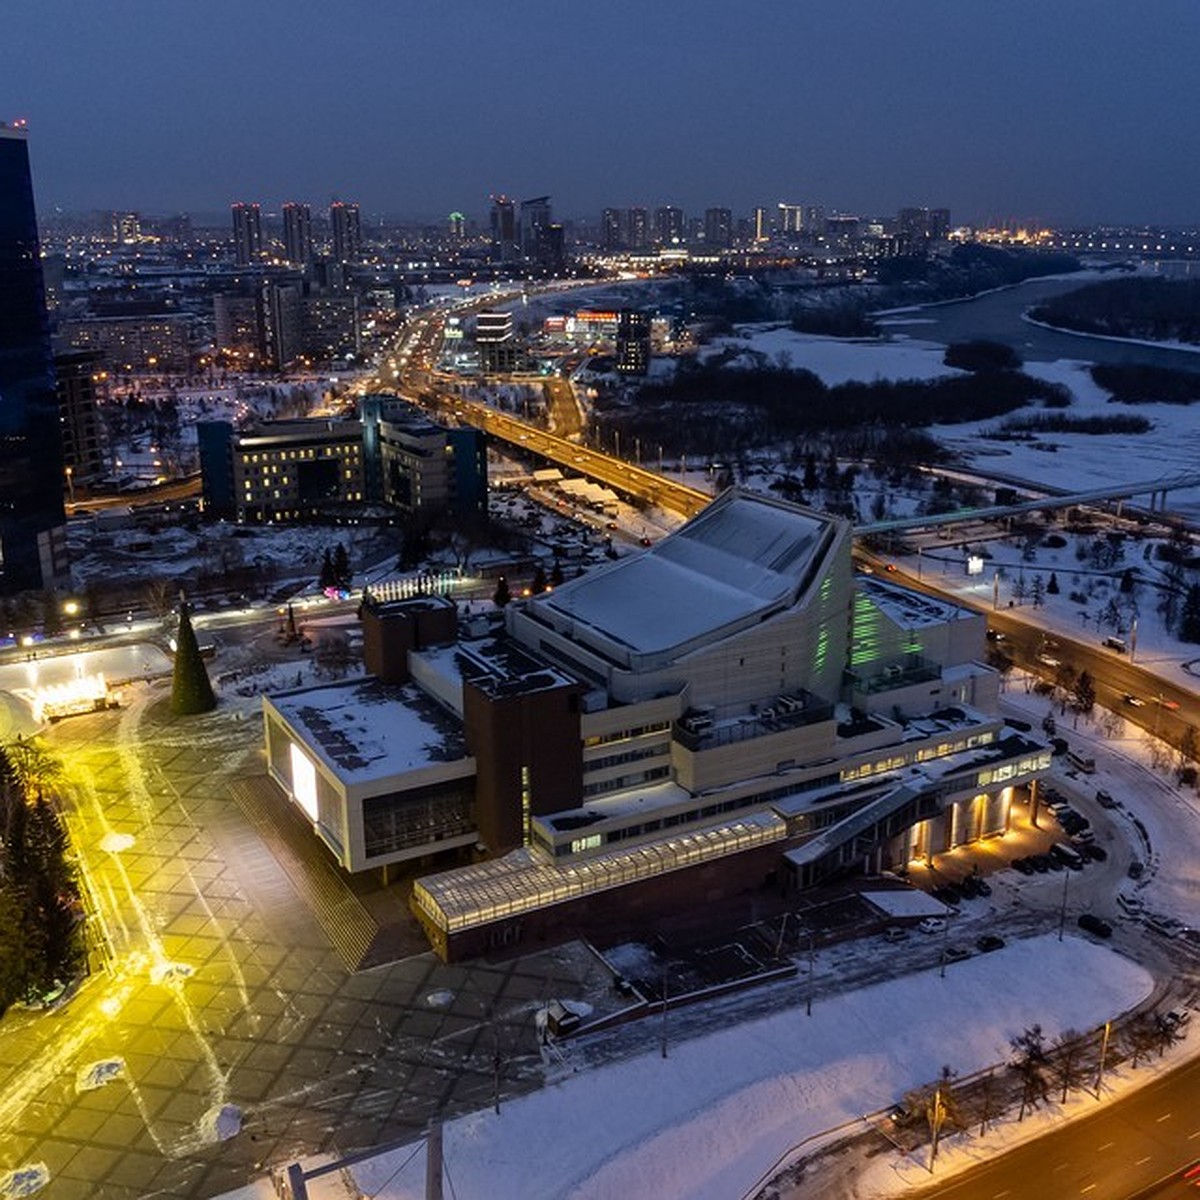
{"x":707,"y":1121}
{"x":1171,"y":447}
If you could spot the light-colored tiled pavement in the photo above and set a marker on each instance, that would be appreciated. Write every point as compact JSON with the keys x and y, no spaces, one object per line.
{"x":226,"y":990}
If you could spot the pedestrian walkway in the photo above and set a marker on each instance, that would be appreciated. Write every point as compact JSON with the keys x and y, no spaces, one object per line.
{"x":351,"y":929}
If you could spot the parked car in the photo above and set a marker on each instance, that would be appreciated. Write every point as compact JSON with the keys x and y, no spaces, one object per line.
{"x":1094,"y":852}
{"x":1136,"y":869}
{"x":956,"y":953}
{"x":948,"y":894}
{"x":990,"y":941}
{"x":894,"y":933}
{"x":1130,"y":904}
{"x":1094,"y":924}
{"x":1024,"y":865}
{"x":1105,"y":800}
{"x":932,"y":925}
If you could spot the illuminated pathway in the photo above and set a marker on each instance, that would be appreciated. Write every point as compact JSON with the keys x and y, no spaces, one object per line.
{"x":227,"y":1036}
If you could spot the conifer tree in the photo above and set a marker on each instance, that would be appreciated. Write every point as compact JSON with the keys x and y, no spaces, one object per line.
{"x":191,"y":691}
{"x":502,"y":595}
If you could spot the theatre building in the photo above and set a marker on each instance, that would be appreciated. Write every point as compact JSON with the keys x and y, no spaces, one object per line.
{"x":732,"y":709}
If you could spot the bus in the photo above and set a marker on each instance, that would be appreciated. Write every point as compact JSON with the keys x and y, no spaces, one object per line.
{"x":1082,"y":762}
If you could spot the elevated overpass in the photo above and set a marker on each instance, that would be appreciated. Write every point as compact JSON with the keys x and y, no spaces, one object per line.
{"x":1056,"y":498}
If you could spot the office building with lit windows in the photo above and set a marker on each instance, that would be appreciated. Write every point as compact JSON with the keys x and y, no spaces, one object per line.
{"x":732,"y":709}
{"x":33,"y":551}
{"x":282,"y":471}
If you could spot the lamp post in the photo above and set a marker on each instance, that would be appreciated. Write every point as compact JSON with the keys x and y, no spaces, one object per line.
{"x":809,"y":997}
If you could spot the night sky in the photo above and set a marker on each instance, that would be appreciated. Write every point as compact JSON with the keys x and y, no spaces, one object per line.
{"x":1058,"y":110}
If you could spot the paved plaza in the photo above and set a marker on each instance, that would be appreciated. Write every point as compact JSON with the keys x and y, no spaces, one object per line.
{"x":226,"y":1032}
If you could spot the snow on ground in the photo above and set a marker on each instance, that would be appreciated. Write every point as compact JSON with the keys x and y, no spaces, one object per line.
{"x":904,"y":902}
{"x":894,"y":1175}
{"x":709,"y":1119}
{"x":837,"y":360}
{"x":1081,"y":461}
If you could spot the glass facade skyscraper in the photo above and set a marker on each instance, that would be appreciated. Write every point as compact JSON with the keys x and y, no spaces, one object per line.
{"x":32,"y":523}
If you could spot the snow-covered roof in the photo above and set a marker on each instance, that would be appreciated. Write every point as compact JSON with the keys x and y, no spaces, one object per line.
{"x":365,"y":729}
{"x":909,"y":609}
{"x":742,"y":556}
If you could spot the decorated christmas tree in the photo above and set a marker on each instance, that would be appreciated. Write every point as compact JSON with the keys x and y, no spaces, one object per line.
{"x":191,"y":691}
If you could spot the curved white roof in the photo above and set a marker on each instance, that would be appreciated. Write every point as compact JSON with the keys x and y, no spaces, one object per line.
{"x":744,"y":554}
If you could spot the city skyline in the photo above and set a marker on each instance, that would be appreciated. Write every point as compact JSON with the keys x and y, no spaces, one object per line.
{"x":991,"y":111}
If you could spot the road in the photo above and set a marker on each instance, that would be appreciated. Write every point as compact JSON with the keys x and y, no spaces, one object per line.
{"x":1150,"y":1135}
{"x":1167,"y":709}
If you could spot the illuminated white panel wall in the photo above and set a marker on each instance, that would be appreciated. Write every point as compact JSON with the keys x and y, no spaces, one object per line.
{"x":304,"y":782}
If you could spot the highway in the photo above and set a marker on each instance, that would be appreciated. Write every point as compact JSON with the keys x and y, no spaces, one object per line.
{"x":414,"y":374}
{"x":1157,"y":705}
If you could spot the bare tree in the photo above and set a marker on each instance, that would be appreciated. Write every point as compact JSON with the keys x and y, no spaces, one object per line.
{"x":1167,"y":1030}
{"x":1068,"y":1061}
{"x":1140,"y":1037}
{"x":1029,"y":1059}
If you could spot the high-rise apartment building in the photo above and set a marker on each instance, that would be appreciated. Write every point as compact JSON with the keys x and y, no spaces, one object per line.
{"x":637,"y":227}
{"x":633,"y":342}
{"x":612,"y":229}
{"x":80,"y":375}
{"x":668,"y":225}
{"x":127,"y":228}
{"x":917,"y":228}
{"x":247,"y":233}
{"x":457,"y":227}
{"x":761,"y":231}
{"x":297,"y":234}
{"x":791,"y":218}
{"x":347,"y":232}
{"x":497,"y":346}
{"x":718,"y":228}
{"x":32,"y":523}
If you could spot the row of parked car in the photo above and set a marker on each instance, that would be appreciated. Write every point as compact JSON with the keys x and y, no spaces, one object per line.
{"x":972,"y":887}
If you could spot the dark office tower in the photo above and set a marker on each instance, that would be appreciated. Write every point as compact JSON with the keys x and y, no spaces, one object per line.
{"x":247,"y":233}
{"x":633,"y":342}
{"x":347,"y":232}
{"x":612,"y":229}
{"x":535,"y":213}
{"x":637,"y":226}
{"x":668,"y":225}
{"x":504,"y":229}
{"x":297,"y":234}
{"x":551,"y":250}
{"x":939,"y":224}
{"x":718,"y":228}
{"x":32,"y":525}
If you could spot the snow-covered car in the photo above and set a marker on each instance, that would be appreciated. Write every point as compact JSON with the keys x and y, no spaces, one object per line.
{"x":932,"y":925}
